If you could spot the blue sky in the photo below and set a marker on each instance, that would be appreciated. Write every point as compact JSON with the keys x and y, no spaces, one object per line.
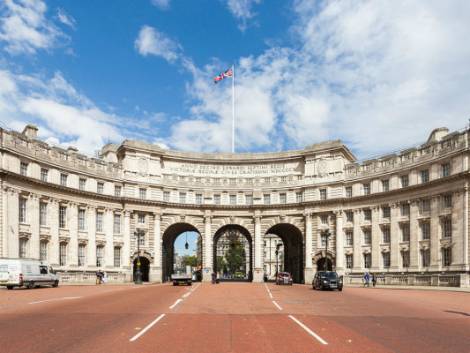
{"x":379,"y":75}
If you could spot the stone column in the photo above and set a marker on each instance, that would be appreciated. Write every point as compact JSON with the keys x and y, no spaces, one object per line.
{"x":414,"y":236}
{"x":91,"y":247}
{"x":465,"y":230}
{"x":126,"y":247}
{"x":357,"y":242}
{"x":434,"y":245}
{"x":207,"y":246}
{"x":258,"y":242}
{"x":72,"y":224}
{"x":376,"y":240}
{"x":33,"y":211}
{"x":395,"y":237}
{"x":339,"y":243}
{"x":157,"y":249}
{"x":109,"y":236}
{"x":53,"y":216}
{"x":308,"y":271}
{"x":12,"y":228}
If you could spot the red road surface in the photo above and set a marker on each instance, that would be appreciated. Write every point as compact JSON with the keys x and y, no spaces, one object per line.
{"x":232,"y":317}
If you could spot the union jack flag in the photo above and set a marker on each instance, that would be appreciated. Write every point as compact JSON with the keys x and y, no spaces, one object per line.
{"x":225,"y":74}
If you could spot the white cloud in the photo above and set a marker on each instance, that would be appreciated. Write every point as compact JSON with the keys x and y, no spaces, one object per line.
{"x":242,"y":10}
{"x":161,"y":4}
{"x":65,"y":18}
{"x":152,"y":42}
{"x":24,"y":27}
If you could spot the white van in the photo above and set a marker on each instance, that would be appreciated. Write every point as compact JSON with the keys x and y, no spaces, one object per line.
{"x":26,"y":272}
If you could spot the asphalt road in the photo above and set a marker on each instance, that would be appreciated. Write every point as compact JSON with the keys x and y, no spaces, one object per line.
{"x":232,"y":317}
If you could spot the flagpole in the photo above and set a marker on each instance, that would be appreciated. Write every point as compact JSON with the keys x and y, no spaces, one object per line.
{"x":233,"y":108}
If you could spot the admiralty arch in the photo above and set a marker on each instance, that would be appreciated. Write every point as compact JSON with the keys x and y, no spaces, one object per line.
{"x":403,"y":215}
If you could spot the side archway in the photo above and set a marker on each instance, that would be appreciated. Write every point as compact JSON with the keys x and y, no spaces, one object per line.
{"x":324,"y":261}
{"x":292,"y":239}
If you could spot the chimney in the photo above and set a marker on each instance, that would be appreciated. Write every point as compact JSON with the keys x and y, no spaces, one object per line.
{"x":30,"y":131}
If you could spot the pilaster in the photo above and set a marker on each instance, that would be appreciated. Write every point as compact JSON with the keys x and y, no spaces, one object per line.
{"x":33,"y":211}
{"x":72,"y":224}
{"x":109,"y":236}
{"x":308,"y":271}
{"x":53,"y":216}
{"x":207,"y":249}
{"x":258,"y":242}
{"x":395,"y":237}
{"x":91,"y":247}
{"x":376,"y":240}
{"x":339,"y":242}
{"x":414,"y":236}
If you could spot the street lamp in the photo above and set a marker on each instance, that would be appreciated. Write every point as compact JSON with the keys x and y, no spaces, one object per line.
{"x":138,"y":272}
{"x":278,"y":246}
{"x":326,"y":233}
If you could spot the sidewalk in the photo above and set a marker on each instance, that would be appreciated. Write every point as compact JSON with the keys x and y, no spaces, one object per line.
{"x":106,"y":284}
{"x":381,"y":286}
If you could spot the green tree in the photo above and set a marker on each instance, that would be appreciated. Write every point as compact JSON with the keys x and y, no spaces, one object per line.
{"x":220,"y":263}
{"x":189,"y":260}
{"x":235,"y":256}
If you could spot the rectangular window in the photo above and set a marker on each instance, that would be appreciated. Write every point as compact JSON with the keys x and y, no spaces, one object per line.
{"x":367,"y":214}
{"x":367,"y":236}
{"x":63,"y":179}
{"x":81,"y":219}
{"x":386,"y":259}
{"x":142,"y":193}
{"x":117,"y":256}
{"x":99,"y":221}
{"x":117,"y":223}
{"x":385,"y":185}
{"x":424,"y":176}
{"x":282,"y":198}
{"x":324,"y":219}
{"x":386,"y":212}
{"x":446,"y":257}
{"x":81,"y":184}
{"x":233,"y":199}
{"x":42,"y":213}
{"x":367,"y":260}
{"x":99,"y":187}
{"x":141,"y":218}
{"x":349,"y":238}
{"x":63,"y":254}
{"x":117,"y":190}
{"x":322,"y":194}
{"x":405,"y":259}
{"x":182,"y":197}
{"x":425,"y":230}
{"x":199,"y":199}
{"x":217,"y":199}
{"x":445,"y":170}
{"x":141,"y":239}
{"x":386,"y":235}
{"x":43,"y":250}
{"x":366,"y":188}
{"x":404,"y":181}
{"x":22,"y":210}
{"x":348,"y":191}
{"x":323,"y":240}
{"x":166,"y":196}
{"x":23,"y":248}
{"x":24,"y":168}
{"x":425,"y":206}
{"x":447,"y":201}
{"x":349,"y":261}
{"x":81,"y":254}
{"x":299,"y":197}
{"x":99,"y":255}
{"x":425,"y":257}
{"x":349,"y":216}
{"x":446,"y":227}
{"x":405,"y":209}
{"x":405,"y":232}
{"x":62,"y":216}
{"x":267,"y":199}
{"x":249,"y":199}
{"x":44,"y":174}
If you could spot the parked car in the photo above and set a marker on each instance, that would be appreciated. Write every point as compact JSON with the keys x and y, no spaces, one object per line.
{"x":284,"y":278}
{"x":327,"y":280}
{"x":26,"y":272}
{"x":182,"y":278}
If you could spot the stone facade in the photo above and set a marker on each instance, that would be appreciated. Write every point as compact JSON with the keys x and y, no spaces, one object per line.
{"x":403,"y":215}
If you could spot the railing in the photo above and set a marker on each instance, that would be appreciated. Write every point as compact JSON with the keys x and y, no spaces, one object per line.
{"x":90,"y":277}
{"x":436,"y":280}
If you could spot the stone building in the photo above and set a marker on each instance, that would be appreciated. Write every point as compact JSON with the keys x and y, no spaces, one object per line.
{"x":403,"y":215}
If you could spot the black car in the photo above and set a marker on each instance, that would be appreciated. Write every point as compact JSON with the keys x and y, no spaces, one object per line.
{"x":327,"y":280}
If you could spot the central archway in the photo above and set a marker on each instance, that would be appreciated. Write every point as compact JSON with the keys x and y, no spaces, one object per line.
{"x":233,"y":253}
{"x":168,"y":250}
{"x":293,"y":249}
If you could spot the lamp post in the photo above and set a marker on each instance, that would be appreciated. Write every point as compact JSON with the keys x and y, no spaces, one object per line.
{"x":326,"y":233}
{"x":138,"y":272}
{"x":278,"y":246}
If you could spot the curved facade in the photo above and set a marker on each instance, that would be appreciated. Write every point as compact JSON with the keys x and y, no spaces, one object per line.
{"x":404,"y":215}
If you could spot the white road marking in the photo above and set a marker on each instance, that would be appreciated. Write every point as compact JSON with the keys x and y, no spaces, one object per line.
{"x":277,"y":305}
{"x":310,"y":332}
{"x":54,"y":299}
{"x":187,"y":294}
{"x":269,"y":292}
{"x":146,"y":328}
{"x":179,"y":300}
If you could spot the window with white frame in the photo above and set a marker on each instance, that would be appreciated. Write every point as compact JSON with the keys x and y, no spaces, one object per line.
{"x":386,"y":212}
{"x":405,"y":259}
{"x":81,"y":219}
{"x":100,"y":187}
{"x":424,"y":175}
{"x":425,"y":206}
{"x":81,"y":184}
{"x":44,"y":174}
{"x":348,"y":191}
{"x":43,"y":245}
{"x":367,"y":214}
{"x":425,"y":230}
{"x":81,"y":254}
{"x":166,"y":196}
{"x":267,"y":199}
{"x":249,"y":199}
{"x":99,"y":221}
{"x":367,"y":260}
{"x":425,"y":257}
{"x":299,"y":197}
{"x":117,"y":256}
{"x":349,"y":261}
{"x":43,"y":213}
{"x":217,"y":199}
{"x":405,"y":181}
{"x":324,"y":219}
{"x":23,"y":248}
{"x":141,"y":218}
{"x":142,"y":193}
{"x":386,"y":234}
{"x":405,"y":231}
{"x":63,"y":254}
{"x":62,"y":216}
{"x":282,"y":198}
{"x":445,"y":170}
{"x":386,"y":259}
{"x":349,"y":237}
{"x":323,"y":240}
{"x":198,"y":199}
{"x":100,"y":255}
{"x":63,"y":179}
{"x":117,"y":190}
{"x":24,"y":168}
{"x":446,"y":256}
{"x":405,"y":209}
{"x":233,"y":199}
{"x":141,"y":239}
{"x":349,"y":216}
{"x":322,"y":194}
{"x":22,"y":210}
{"x":117,"y":223}
{"x":367,"y":236}
{"x":447,"y":201}
{"x":385,"y":185}
{"x":446,"y":225}
{"x":366,"y":188}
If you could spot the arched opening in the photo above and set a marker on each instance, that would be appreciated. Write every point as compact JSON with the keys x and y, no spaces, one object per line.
{"x":324,"y":264}
{"x":181,"y":251}
{"x":292,"y":249}
{"x":233,"y":253}
{"x":144,"y":267}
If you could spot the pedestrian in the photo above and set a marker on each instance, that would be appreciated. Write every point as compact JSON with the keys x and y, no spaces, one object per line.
{"x":214,"y":277}
{"x":105,"y":277}
{"x":98,"y":277}
{"x":374,"y":280}
{"x":366,"y":279}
